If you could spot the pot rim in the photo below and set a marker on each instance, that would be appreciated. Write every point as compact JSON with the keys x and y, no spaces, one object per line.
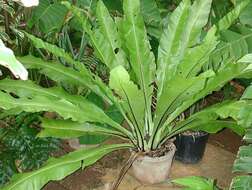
{"x":147,"y":158}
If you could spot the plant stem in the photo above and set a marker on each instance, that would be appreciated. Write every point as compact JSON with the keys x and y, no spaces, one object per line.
{"x":124,"y":170}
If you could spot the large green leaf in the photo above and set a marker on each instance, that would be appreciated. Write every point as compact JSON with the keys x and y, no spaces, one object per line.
{"x":227,"y":20}
{"x":198,"y":18}
{"x":130,"y":94}
{"x":132,"y":97}
{"x":172,"y":98}
{"x":245,"y":16}
{"x":211,"y":119}
{"x":217,"y":125}
{"x":245,"y":118}
{"x":243,"y":162}
{"x":207,"y":125}
{"x":236,"y":40}
{"x":113,"y":112}
{"x":241,"y":183}
{"x":48,"y":16}
{"x":169,"y":43}
{"x":246,"y":32}
{"x":141,"y":58}
{"x":104,"y":38}
{"x":150,"y":12}
{"x":58,"y":72}
{"x":58,"y":168}
{"x":8,"y":60}
{"x":229,"y":71}
{"x":61,"y":74}
{"x":233,"y":45}
{"x":56,"y":51}
{"x":98,"y":86}
{"x":243,"y":165}
{"x":70,"y":129}
{"x":152,"y":17}
{"x":183,"y":31}
{"x":196,"y":57}
{"x":228,"y":48}
{"x":33,"y":98}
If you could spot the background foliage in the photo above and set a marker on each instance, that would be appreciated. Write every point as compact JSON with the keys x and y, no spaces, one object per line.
{"x":20,"y":149}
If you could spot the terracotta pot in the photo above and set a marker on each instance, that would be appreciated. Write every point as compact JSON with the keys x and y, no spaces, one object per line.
{"x":150,"y":170}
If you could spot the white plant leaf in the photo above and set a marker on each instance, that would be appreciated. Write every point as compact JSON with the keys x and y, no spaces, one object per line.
{"x":28,"y":3}
{"x":8,"y":60}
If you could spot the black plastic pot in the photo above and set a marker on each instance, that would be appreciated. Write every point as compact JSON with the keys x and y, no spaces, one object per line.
{"x":190,"y":148}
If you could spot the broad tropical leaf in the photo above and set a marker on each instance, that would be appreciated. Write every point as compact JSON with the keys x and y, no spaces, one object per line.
{"x":183,"y":31}
{"x":150,"y":12}
{"x":227,"y":20}
{"x":99,"y":87}
{"x":33,"y":98}
{"x":245,"y":16}
{"x":246,"y":32}
{"x":61,"y":74}
{"x":182,"y":62}
{"x":141,"y":58}
{"x":243,"y":162}
{"x":241,"y":183}
{"x":170,"y":43}
{"x":152,"y":17}
{"x":196,"y":57}
{"x":138,"y":47}
{"x":215,"y":83}
{"x":104,"y":38}
{"x":198,"y":18}
{"x":233,"y":45}
{"x":172,"y":98}
{"x":211,"y":120}
{"x":132,"y":98}
{"x":107,"y":35}
{"x":181,"y":77}
{"x":70,"y":129}
{"x":48,"y":16}
{"x":56,"y":51}
{"x":58,"y":168}
{"x":227,"y":48}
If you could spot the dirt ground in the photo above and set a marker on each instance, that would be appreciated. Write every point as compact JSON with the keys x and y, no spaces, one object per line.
{"x":224,"y":143}
{"x":227,"y":140}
